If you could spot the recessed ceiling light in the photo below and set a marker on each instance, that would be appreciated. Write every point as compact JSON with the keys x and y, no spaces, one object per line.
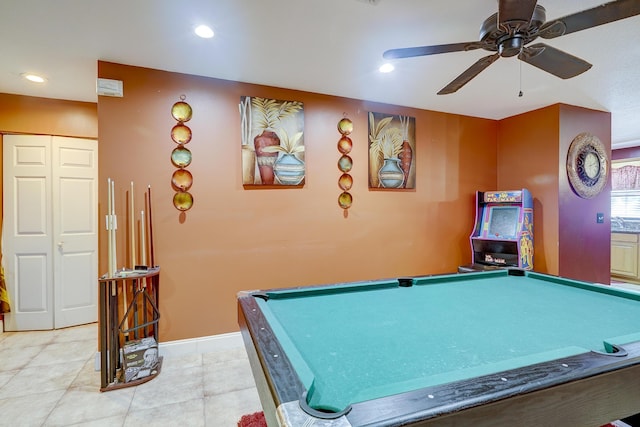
{"x":33,"y":78}
{"x":204,"y":31}
{"x":386,"y":68}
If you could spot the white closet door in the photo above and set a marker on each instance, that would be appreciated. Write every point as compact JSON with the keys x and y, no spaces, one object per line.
{"x":27,"y":231}
{"x":50,"y":231}
{"x":75,"y":230}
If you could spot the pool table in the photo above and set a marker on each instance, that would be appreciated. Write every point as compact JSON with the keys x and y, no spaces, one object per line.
{"x":503,"y":347}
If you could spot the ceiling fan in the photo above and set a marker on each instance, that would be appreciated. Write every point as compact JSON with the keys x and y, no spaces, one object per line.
{"x":518,"y":23}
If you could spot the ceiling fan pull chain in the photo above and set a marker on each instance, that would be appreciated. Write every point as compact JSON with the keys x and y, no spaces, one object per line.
{"x":520,"y":93}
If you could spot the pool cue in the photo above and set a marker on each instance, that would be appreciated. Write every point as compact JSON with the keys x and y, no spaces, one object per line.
{"x":132,"y":218}
{"x":108,"y":227}
{"x":114,"y":227}
{"x":143,"y":261}
{"x":111,"y":235}
{"x":132,"y":246}
{"x":110,"y":287}
{"x":143,"y":239}
{"x":151,"y":258}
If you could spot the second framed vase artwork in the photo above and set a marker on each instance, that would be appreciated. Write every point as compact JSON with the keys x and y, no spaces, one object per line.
{"x":272,"y":142}
{"x":392,"y":151}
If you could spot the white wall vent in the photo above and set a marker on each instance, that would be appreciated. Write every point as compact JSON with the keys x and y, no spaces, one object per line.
{"x":108,"y":87}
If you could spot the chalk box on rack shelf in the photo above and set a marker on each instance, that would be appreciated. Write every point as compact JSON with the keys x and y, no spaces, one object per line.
{"x":140,"y":358}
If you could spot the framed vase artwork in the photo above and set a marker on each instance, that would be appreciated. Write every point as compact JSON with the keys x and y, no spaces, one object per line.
{"x":392,"y":151}
{"x":273,"y":151}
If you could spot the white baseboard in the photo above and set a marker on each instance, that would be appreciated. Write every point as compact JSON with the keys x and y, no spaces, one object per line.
{"x":201,"y":345}
{"x":198,"y":345}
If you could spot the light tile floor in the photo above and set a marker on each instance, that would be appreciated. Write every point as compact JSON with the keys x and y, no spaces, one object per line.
{"x":49,"y":379}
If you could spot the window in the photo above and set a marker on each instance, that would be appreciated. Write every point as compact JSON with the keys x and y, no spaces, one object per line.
{"x":625,"y":204}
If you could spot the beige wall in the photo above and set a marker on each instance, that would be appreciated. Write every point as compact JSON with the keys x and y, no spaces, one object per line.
{"x":236,"y":239}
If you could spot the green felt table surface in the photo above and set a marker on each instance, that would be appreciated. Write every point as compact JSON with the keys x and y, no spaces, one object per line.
{"x":355,"y":342}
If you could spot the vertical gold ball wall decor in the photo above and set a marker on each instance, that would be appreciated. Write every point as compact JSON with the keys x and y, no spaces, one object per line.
{"x":345,"y":163}
{"x":181,"y":180}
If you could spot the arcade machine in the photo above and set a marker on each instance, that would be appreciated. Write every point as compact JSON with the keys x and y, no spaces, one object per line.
{"x":503,"y":233}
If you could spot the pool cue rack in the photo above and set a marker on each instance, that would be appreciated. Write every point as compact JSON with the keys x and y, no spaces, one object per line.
{"x":502,"y":236}
{"x":121,"y":322}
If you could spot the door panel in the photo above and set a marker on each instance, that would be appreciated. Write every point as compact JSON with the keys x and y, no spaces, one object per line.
{"x":75,"y":229}
{"x":27,"y":231}
{"x":31,"y":273}
{"x":31,"y":206}
{"x":78,"y":266}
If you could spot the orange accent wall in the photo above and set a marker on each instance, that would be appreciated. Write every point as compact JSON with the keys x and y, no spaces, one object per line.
{"x":237,"y":239}
{"x":528,"y":158}
{"x":44,"y":116}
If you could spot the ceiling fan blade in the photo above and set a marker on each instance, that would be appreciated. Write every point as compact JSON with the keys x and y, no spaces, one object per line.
{"x":409,"y":52}
{"x":469,"y":74}
{"x":554,"y":61}
{"x":514,"y":14}
{"x":603,"y":14}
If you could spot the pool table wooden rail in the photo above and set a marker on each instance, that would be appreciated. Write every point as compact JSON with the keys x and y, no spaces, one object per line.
{"x":275,"y":377}
{"x":581,"y":390}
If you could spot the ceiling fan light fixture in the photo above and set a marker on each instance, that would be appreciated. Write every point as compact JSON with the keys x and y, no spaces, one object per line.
{"x":511,"y":46}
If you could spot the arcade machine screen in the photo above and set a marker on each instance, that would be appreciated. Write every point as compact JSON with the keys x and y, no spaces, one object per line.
{"x":503,"y":222}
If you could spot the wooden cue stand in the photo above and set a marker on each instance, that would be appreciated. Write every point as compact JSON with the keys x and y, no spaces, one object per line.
{"x":119,"y":324}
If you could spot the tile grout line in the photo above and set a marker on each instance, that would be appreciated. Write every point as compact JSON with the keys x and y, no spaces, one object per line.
{"x":70,"y":386}
{"x":204,"y":400}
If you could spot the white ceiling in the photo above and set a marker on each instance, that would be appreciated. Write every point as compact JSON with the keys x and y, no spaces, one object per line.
{"x":326,"y":46}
